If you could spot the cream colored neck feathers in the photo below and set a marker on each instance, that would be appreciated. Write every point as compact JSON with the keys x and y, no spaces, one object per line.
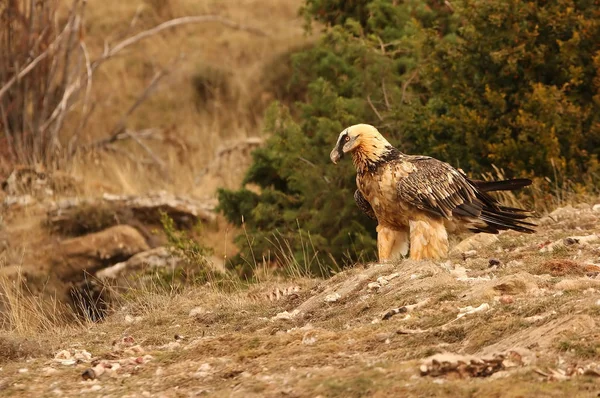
{"x":371,"y":147}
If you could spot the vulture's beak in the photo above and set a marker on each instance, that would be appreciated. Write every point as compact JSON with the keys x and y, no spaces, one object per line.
{"x":335,"y":155}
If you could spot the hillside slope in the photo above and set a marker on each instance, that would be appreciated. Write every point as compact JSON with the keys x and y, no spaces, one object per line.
{"x":521,"y":310}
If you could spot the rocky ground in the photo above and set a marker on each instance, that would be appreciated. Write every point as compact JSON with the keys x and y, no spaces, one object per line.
{"x":510,"y":315}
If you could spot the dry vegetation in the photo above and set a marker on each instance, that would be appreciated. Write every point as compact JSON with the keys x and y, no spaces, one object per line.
{"x":536,"y":300}
{"x":205,"y":99}
{"x":293,"y":337}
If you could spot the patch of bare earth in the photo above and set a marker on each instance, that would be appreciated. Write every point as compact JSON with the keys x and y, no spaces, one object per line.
{"x":509,"y":317}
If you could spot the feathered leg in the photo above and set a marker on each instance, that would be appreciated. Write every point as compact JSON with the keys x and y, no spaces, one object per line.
{"x":391,"y":244}
{"x":428,"y":239}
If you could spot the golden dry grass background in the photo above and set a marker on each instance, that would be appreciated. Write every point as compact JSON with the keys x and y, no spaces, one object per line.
{"x":194,"y":129}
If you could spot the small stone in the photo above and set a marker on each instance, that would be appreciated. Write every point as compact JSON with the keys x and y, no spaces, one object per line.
{"x":64,"y":354}
{"x":373,"y":286}
{"x":596,"y":207}
{"x":494,"y":262}
{"x":332,"y":298}
{"x":286,"y":315}
{"x":506,"y":299}
{"x":382,"y":281}
{"x":23,"y":370}
{"x":99,"y":370}
{"x":88,"y":374}
{"x":469,"y":254}
{"x":309,"y":338}
{"x":82,"y":356}
{"x":115,"y":367}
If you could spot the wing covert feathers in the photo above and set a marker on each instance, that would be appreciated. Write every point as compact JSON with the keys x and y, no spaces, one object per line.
{"x":439,"y":189}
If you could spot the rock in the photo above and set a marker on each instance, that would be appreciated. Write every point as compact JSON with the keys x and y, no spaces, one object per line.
{"x":36,"y":183}
{"x":66,"y":358}
{"x":520,"y":283}
{"x":494,"y":262}
{"x":309,"y":338}
{"x":474,"y":242}
{"x":90,"y":253}
{"x":469,"y":310}
{"x":286,"y":315}
{"x":332,"y":298}
{"x":469,"y":254}
{"x":544,"y":336}
{"x":88,"y":374}
{"x":577,"y":284}
{"x":596,"y":207}
{"x":183,"y":211}
{"x":159,"y":257}
{"x":569,"y":241}
{"x":21,"y":200}
{"x":71,"y":216}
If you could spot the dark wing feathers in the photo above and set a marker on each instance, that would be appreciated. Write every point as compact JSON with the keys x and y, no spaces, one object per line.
{"x":439,"y":189}
{"x":504,"y":185}
{"x":364,"y":205}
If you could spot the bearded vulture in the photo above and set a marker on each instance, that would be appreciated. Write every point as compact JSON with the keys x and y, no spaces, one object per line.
{"x":417,"y":199}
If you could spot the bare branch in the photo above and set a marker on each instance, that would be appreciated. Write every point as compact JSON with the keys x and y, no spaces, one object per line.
{"x":124,"y":135}
{"x":145,"y":147}
{"x":32,"y":64}
{"x":7,"y":133}
{"x":120,"y":126}
{"x":86,"y":111}
{"x":407,"y":83}
{"x":108,"y":53}
{"x":118,"y":132}
{"x":374,"y":109}
{"x":385,"y":97}
{"x":381,"y":45}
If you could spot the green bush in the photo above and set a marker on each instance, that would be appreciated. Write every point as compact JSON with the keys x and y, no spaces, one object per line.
{"x":518,"y":88}
{"x":503,"y":82}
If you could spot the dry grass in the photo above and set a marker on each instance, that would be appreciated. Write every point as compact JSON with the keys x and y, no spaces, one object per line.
{"x":208,"y":97}
{"x":194,"y":128}
{"x":547,"y":308}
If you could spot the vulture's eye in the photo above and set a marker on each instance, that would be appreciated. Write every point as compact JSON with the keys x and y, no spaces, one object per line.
{"x":347,"y":138}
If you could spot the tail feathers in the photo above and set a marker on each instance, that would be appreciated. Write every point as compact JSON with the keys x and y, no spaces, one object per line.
{"x":504,"y":185}
{"x":497,"y":217}
{"x":504,"y":222}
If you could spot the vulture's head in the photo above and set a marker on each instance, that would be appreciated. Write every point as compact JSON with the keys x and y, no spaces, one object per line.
{"x":362,"y":140}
